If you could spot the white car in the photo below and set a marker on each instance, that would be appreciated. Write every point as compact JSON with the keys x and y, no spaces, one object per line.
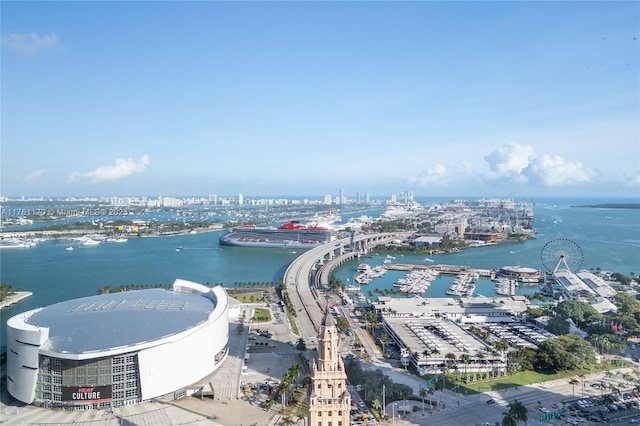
{"x":544,"y":409}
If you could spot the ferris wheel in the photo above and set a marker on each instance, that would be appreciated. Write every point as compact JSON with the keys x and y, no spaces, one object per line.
{"x":562,"y":254}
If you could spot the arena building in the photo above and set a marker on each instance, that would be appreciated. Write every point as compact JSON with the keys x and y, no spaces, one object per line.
{"x":117,"y":349}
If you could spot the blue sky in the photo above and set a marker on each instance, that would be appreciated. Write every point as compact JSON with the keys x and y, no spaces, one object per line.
{"x":304,"y":98}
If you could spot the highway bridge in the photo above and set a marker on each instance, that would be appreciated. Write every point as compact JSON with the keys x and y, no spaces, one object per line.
{"x":303,"y":289}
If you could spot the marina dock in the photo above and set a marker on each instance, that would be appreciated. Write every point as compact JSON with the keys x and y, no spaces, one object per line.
{"x":443,"y":269}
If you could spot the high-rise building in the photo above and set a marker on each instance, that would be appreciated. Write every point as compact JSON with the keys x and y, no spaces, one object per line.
{"x":343,"y":199}
{"x":407,"y":197}
{"x":240,"y":199}
{"x":329,"y":399}
{"x":327,"y":199}
{"x":367,"y":198}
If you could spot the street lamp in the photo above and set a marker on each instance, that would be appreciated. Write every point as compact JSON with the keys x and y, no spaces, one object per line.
{"x":393,"y":406}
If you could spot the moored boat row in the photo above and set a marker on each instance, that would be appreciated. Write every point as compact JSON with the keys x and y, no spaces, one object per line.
{"x":417,"y":281}
{"x":463,"y":285}
{"x":367,"y":273}
{"x":506,"y":286}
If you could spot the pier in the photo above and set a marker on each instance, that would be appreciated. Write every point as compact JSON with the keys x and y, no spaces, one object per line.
{"x":18,"y":296}
{"x":443,"y":269}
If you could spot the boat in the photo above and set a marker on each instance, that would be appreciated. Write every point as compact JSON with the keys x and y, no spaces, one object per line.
{"x":506,"y":286}
{"x":117,"y":240}
{"x":90,"y":242}
{"x":289,"y":235}
{"x":463,"y":285}
{"x":426,"y":259}
{"x":417,"y":282}
{"x":179,"y":248}
{"x":69,"y":248}
{"x":363,"y":267}
{"x":366,"y":273}
{"x":15,"y":243}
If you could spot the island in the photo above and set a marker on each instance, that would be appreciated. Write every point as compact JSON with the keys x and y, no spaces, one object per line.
{"x":612,"y":206}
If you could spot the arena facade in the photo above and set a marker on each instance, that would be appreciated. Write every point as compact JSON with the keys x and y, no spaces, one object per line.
{"x":117,"y":349}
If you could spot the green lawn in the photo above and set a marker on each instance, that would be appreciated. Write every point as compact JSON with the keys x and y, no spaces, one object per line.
{"x":523,"y":378}
{"x":247,"y":297}
{"x":292,"y":321}
{"x":261,"y":315}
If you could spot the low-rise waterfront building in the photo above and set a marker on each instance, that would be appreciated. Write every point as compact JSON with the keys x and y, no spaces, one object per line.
{"x":433,"y":333}
{"x":519,"y":273}
{"x":464,"y":310}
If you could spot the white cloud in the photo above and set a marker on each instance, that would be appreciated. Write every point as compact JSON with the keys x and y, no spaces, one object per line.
{"x":511,"y":164}
{"x":556,"y":171}
{"x":32,"y":43}
{"x":509,"y":161}
{"x":120,"y":168}
{"x":35,"y":175}
{"x":441,"y":174}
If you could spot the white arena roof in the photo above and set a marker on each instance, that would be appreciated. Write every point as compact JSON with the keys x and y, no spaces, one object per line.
{"x":109,"y":321}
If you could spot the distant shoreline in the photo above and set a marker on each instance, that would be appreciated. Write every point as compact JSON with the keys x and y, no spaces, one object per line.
{"x":16,"y":297}
{"x":73,"y":233}
{"x":612,"y":206}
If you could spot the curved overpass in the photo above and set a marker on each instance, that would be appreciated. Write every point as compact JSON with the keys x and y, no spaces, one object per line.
{"x":325,"y":258}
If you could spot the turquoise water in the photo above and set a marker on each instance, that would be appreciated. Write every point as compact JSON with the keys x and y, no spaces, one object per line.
{"x":609,"y":238}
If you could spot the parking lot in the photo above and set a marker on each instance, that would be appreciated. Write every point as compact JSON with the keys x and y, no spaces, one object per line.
{"x":612,"y":407}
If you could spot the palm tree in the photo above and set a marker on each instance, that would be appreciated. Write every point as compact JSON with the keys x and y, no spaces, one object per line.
{"x":582,"y":377}
{"x":423,"y":394}
{"x":465,"y":359}
{"x":518,"y":411}
{"x":450,"y":358}
{"x":574,"y":382}
{"x":628,"y":378}
{"x":501,"y":345}
{"x":385,"y":338}
{"x":287,"y":421}
{"x":481,"y":356}
{"x":508,"y":420}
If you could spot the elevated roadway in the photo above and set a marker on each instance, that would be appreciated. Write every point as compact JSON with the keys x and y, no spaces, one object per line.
{"x":302,"y":287}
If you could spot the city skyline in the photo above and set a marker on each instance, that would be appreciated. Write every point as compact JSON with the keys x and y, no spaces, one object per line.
{"x":442,"y":99}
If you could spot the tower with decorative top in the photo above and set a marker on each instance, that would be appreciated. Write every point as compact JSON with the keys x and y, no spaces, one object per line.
{"x":329,"y":400}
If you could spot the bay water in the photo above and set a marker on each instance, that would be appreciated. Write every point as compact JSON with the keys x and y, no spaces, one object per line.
{"x":609,"y":240}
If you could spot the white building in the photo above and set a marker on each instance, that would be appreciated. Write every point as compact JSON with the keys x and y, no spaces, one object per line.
{"x":117,"y":349}
{"x":427,"y":329}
